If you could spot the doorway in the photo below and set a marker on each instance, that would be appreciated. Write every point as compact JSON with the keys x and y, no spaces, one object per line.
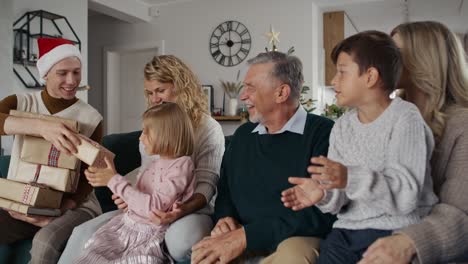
{"x":124,"y":101}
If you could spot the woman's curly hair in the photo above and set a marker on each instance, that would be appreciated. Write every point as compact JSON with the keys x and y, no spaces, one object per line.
{"x":187,"y":88}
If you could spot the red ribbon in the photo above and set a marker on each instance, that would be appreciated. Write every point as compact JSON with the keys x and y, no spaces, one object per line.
{"x":53,"y":156}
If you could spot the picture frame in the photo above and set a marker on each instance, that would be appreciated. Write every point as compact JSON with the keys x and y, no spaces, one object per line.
{"x":208,"y":91}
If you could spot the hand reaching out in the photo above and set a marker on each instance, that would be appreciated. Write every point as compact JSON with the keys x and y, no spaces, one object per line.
{"x":101,"y":176}
{"x":306,"y":193}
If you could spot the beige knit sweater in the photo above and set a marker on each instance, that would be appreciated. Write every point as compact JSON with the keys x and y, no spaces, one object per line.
{"x":442,"y":236}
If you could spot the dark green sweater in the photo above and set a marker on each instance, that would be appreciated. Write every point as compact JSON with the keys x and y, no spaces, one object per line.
{"x":255,"y":171}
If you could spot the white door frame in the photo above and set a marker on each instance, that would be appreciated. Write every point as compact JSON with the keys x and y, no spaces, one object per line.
{"x":111,"y":80}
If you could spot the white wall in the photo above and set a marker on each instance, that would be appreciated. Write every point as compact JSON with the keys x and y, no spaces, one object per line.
{"x":6,"y":48}
{"x":6,"y":56}
{"x":114,"y":68}
{"x":76,"y":12}
{"x":98,"y":26}
{"x":318,"y":59}
{"x":187,"y":26}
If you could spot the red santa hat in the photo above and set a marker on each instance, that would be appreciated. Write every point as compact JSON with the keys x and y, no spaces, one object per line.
{"x":53,"y":50}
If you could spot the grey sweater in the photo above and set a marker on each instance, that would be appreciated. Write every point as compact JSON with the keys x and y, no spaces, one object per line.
{"x":389,"y":183}
{"x":442,"y":236}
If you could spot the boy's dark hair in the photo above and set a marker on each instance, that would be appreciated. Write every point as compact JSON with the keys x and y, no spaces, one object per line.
{"x":373,"y":49}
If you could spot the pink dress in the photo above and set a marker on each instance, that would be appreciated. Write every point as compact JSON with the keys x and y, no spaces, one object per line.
{"x":130,"y":237}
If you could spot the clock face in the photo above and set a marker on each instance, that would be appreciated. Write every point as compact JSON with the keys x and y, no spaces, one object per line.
{"x":230,"y":43}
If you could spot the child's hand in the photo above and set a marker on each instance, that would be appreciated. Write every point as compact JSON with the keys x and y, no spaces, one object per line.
{"x":100,"y":177}
{"x":121,"y":204}
{"x":306,"y":193}
{"x":159,"y":217}
{"x":331,"y":175}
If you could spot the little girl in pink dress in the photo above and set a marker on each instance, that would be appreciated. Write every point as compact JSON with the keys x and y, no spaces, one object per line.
{"x":131,"y":237}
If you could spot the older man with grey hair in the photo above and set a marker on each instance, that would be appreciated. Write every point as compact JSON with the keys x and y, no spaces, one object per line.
{"x":277,"y":143}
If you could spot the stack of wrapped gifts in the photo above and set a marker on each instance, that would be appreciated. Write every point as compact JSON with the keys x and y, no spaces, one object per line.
{"x":41,"y":173}
{"x":31,"y":199}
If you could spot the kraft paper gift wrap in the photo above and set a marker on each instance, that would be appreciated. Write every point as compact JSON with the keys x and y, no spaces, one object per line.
{"x":92,"y":153}
{"x":72,"y":124}
{"x":26,"y":209}
{"x":30,"y":194}
{"x":40,"y":151}
{"x":59,"y":179}
{"x":18,"y":142}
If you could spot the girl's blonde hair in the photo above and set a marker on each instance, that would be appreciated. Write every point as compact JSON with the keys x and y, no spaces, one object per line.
{"x":435,"y":61}
{"x":187,"y":88}
{"x":169,"y":130}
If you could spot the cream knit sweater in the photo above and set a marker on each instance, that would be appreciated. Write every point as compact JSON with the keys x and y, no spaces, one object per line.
{"x":389,"y":181}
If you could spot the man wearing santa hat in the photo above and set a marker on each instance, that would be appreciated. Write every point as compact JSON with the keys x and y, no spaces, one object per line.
{"x":59,"y":67}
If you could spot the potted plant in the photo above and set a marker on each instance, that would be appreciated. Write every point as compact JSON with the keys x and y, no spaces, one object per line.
{"x":307,"y":103}
{"x":232,"y":89}
{"x":333,"y":111}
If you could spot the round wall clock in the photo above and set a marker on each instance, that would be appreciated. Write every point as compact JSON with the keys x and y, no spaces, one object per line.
{"x":230,"y":43}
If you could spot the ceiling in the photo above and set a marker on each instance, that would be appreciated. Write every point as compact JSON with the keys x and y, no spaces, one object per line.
{"x":385,"y":14}
{"x":162,"y":2}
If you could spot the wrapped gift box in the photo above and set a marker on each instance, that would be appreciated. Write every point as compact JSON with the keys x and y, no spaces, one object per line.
{"x":92,"y":153}
{"x":40,"y":151}
{"x":72,"y":124}
{"x":59,"y":179}
{"x":27,"y":209}
{"x":30,"y":194}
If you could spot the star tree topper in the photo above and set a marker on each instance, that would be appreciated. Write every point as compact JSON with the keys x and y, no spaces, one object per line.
{"x":272,"y":39}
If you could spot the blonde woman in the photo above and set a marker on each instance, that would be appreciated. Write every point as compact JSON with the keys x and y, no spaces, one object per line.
{"x":168,"y":79}
{"x":435,"y":79}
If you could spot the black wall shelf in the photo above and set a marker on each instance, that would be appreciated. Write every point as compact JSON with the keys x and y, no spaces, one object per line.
{"x":24,"y":38}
